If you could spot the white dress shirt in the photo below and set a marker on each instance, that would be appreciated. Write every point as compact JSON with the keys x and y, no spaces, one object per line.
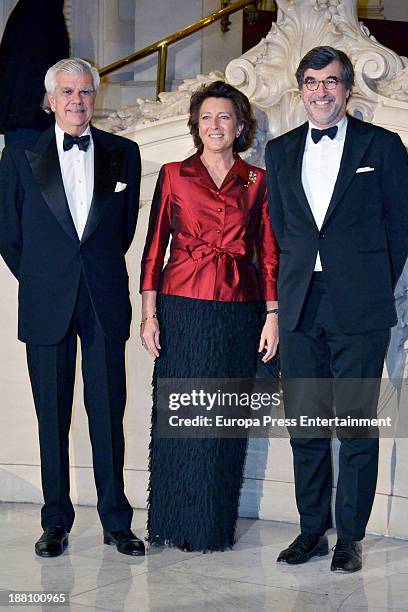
{"x":320,"y":167}
{"x":77,"y":169}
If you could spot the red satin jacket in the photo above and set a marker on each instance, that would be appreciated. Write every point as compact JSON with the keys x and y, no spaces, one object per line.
{"x":216,"y":234}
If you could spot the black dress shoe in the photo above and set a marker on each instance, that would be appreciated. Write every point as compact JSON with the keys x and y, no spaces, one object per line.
{"x":305,"y":546}
{"x":52,"y":543}
{"x":125,"y":541}
{"x":347,"y":557}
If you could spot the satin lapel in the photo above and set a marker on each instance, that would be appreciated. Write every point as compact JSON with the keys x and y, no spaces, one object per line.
{"x":106,"y":171}
{"x":295,"y":146}
{"x":358,"y":138}
{"x":46,"y":170}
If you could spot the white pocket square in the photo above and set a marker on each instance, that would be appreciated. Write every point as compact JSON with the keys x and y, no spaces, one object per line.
{"x":120,"y":186}
{"x":365,"y":169}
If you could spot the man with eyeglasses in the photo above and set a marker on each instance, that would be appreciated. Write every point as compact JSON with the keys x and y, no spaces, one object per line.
{"x":338,"y":204}
{"x":68,"y":212}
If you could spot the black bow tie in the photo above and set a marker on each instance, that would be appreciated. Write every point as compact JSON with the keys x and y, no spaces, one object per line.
{"x":81,"y":141}
{"x":317,"y":135}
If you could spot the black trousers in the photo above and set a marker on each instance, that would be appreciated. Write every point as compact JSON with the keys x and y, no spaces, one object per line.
{"x":52,"y":375}
{"x":317,"y":350}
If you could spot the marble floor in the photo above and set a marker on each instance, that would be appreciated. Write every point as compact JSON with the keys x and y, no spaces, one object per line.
{"x":246,"y":578}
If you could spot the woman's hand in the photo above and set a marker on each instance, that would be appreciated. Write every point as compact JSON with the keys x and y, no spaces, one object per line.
{"x":269,"y":337}
{"x":150,"y":334}
{"x":149,"y":326}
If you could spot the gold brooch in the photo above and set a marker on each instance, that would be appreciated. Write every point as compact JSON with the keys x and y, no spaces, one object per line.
{"x":251,"y":178}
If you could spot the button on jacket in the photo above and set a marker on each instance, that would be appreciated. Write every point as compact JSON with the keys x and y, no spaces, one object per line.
{"x":217,"y":233}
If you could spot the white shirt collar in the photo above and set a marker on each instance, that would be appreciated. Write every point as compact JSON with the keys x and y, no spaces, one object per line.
{"x":59,"y":135}
{"x":341,"y":131}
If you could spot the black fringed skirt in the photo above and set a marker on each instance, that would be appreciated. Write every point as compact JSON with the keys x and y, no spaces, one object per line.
{"x":195,"y":483}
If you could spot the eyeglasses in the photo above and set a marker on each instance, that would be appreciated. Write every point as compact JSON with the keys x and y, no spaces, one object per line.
{"x":329,"y":83}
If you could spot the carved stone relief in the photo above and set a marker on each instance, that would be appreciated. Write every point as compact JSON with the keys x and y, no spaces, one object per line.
{"x":266,"y":72}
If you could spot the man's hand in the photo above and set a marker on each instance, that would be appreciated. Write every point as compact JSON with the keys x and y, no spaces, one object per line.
{"x":269,"y":337}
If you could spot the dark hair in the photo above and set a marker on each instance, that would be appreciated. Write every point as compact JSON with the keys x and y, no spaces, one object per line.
{"x":242,"y":108}
{"x":319,"y":58}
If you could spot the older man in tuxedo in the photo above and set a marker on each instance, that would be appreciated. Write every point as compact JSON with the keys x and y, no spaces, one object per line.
{"x":68,"y":211}
{"x":338,"y":204}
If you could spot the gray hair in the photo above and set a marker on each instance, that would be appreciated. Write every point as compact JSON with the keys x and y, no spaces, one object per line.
{"x":72,"y":65}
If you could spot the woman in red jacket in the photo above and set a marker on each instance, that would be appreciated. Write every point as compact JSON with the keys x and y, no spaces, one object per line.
{"x":208,"y":312}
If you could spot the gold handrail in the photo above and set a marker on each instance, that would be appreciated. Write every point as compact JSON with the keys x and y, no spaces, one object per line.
{"x":160,"y":46}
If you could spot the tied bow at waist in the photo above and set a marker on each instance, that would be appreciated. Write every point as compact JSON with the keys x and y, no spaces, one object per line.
{"x":198,"y":248}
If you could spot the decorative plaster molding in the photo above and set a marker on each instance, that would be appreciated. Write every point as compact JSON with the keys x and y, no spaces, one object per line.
{"x":175,"y":104}
{"x":170,"y":104}
{"x":396,"y":88}
{"x":266,"y":72}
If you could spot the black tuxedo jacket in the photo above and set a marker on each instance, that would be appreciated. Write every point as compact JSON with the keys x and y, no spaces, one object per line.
{"x":39,"y":243}
{"x":363,"y":242}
